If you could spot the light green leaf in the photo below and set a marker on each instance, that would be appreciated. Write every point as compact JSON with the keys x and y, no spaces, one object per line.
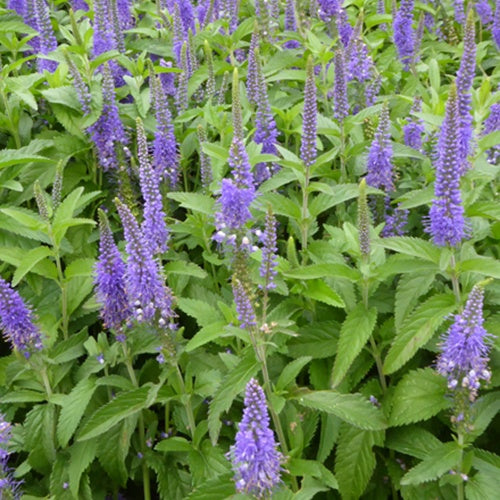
{"x":355,"y":332}
{"x":68,"y":349}
{"x":175,"y":443}
{"x":63,"y":95}
{"x":418,"y":329}
{"x":29,"y":261}
{"x":27,"y":218}
{"x":73,"y":409}
{"x":316,"y":271}
{"x":79,"y":267}
{"x":23,"y":396}
{"x":481,"y":265}
{"x":438,"y":462}
{"x":231,"y":385}
{"x":124,"y":405}
{"x":319,"y":290}
{"x":290,"y":371}
{"x":194,"y":201}
{"x":185,"y":268}
{"x":203,"y":312}
{"x":420,"y":395}
{"x":352,"y":408}
{"x":412,"y":246}
{"x":485,"y":410}
{"x":206,"y":334}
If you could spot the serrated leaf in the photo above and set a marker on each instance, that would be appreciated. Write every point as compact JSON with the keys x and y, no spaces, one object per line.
{"x":82,"y":455}
{"x":79,"y":267}
{"x":231,"y":385}
{"x":185,"y":268}
{"x":23,"y":396}
{"x":355,"y":332}
{"x":330,"y":425}
{"x":316,"y":271}
{"x":439,"y":461}
{"x":290,"y":371}
{"x":355,"y":460}
{"x":194,"y":201}
{"x":410,"y":288}
{"x":483,"y":485}
{"x":219,"y":487}
{"x":69,"y":349}
{"x":418,"y":329}
{"x":73,"y":409}
{"x":29,"y":261}
{"x":27,"y":218}
{"x":485,"y":410}
{"x":203,"y":312}
{"x":413,"y":441}
{"x":205,"y":335}
{"x":318,"y":340}
{"x":415,"y":247}
{"x":481,"y":265}
{"x":319,"y":290}
{"x":420,"y":395}
{"x":123,"y":406}
{"x":175,"y":443}
{"x":352,"y":408}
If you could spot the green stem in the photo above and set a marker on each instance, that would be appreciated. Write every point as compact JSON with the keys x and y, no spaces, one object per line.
{"x":305,"y":215}
{"x":454,"y":279}
{"x":460,"y":485}
{"x":142,"y":434}
{"x":46,"y":382}
{"x":14,"y":130}
{"x":343,"y":171}
{"x":187,"y":404}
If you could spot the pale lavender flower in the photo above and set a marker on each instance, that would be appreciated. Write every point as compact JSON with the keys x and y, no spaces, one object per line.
{"x":344,"y":27}
{"x":269,"y":252}
{"x":179,"y":36}
{"x":492,"y":124}
{"x":79,"y":5}
{"x":459,"y":11}
{"x":414,"y":128}
{"x":464,"y":352}
{"x":341,"y":104}
{"x":395,"y":219}
{"x":9,"y":487}
{"x":379,"y":163}
{"x":381,"y":10}
{"x":359,"y":63}
{"x":124,"y":15}
{"x":153,"y":225}
{"x":372,"y":90}
{"x":167,"y":79}
{"x":165,"y":150}
{"x":104,"y":39}
{"x":107,"y":132}
{"x":404,"y":37}
{"x":17,"y":5}
{"x":328,"y":9}
{"x":244,"y":308}
{"x":447,"y":224}
{"x":254,"y":456}
{"x":47,"y":40}
{"x":309,"y":118}
{"x":290,"y":24}
{"x":16,"y":321}
{"x":186,"y":13}
{"x":234,"y":8}
{"x":484,"y":11}
{"x":148,"y":295}
{"x":110,"y":279}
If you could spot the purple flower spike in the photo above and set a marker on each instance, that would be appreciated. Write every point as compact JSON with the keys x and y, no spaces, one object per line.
{"x":252,"y":84}
{"x":492,"y":124}
{"x":404,"y":37}
{"x":16,"y":321}
{"x":290,"y":24}
{"x":484,"y":11}
{"x":341,"y":105}
{"x":244,"y":308}
{"x":447,"y":224}
{"x":47,"y":40}
{"x":148,"y":295}
{"x":309,"y":118}
{"x":104,"y":39}
{"x":328,"y":9}
{"x":464,"y":353}
{"x":459,"y":11}
{"x":379,"y":163}
{"x":110,"y":279}
{"x":107,"y":132}
{"x":495,"y":30}
{"x":153,"y":226}
{"x":414,"y":129}
{"x":9,"y":487}
{"x":18,"y":6}
{"x":268,"y":238}
{"x":254,"y":456}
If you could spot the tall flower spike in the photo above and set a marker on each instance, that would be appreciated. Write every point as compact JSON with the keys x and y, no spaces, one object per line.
{"x":459,"y":11}
{"x":266,"y":132}
{"x":16,"y":321}
{"x":309,"y":117}
{"x":110,"y":279}
{"x":205,"y":161}
{"x":495,"y":29}
{"x":254,"y":456}
{"x":492,"y":124}
{"x":484,"y":11}
{"x":269,"y":252}
{"x":290,"y":24}
{"x":404,"y":37}
{"x":107,"y":132}
{"x":182,"y":82}
{"x":341,"y":105}
{"x":328,"y":9}
{"x":210,"y":86}
{"x":165,"y":150}
{"x":104,"y":39}
{"x":47,"y":39}
{"x":9,"y":487}
{"x":82,"y":91}
{"x":343,"y":26}
{"x":252,"y":84}
{"x":464,"y":353}
{"x":363,"y":221}
{"x":379,"y":163}
{"x":148,"y":295}
{"x":414,"y":129}
{"x":153,"y":226}
{"x":244,"y":308}
{"x":465,"y":76}
{"x":447,"y":224}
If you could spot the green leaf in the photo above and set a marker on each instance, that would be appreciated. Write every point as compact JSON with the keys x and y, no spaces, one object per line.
{"x":290,"y":371}
{"x":318,"y":340}
{"x":194,"y":201}
{"x":27,"y":218}
{"x":352,"y":408}
{"x":312,"y":468}
{"x":73,"y":409}
{"x":9,"y":157}
{"x":23,"y":396}
{"x":355,"y":332}
{"x":29,"y":261}
{"x":485,"y":410}
{"x":438,"y":462}
{"x":420,"y":395}
{"x":412,"y":246}
{"x":80,"y":267}
{"x":82,"y":455}
{"x":481,"y":265}
{"x":316,"y":271}
{"x":417,"y":198}
{"x":185,"y":268}
{"x":417,"y":330}
{"x":175,"y":443}
{"x":205,"y":335}
{"x":220,"y":487}
{"x":203,"y":312}
{"x":483,"y":485}
{"x":319,"y":290}
{"x":65,"y":95}
{"x":69,"y":349}
{"x":231,"y":385}
{"x":410,"y":288}
{"x":123,"y":406}
{"x":355,"y":460}
{"x":413,"y":441}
